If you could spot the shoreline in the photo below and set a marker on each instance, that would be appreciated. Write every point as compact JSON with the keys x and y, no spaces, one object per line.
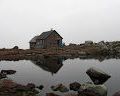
{"x":86,"y":50}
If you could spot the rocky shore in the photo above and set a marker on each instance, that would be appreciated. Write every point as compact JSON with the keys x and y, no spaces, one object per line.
{"x":85,"y":50}
{"x":94,"y":88}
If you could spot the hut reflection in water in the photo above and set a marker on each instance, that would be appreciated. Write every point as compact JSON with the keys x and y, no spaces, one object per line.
{"x":49,"y":64}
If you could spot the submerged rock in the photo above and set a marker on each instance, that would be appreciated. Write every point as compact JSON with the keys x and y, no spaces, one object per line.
{"x":8,"y":72}
{"x":60,"y":87}
{"x":97,"y":75}
{"x":92,"y":90}
{"x":51,"y":94}
{"x":75,"y":86}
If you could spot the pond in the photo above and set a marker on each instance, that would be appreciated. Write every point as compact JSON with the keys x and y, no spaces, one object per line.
{"x":51,"y":71}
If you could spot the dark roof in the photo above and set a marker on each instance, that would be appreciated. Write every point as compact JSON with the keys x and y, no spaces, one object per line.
{"x":43,"y":36}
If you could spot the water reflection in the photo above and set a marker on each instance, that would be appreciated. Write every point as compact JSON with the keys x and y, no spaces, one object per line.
{"x":50,"y":64}
{"x":99,"y":58}
{"x":73,"y":70}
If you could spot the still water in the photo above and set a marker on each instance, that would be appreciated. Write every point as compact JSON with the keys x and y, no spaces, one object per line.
{"x":51,"y":71}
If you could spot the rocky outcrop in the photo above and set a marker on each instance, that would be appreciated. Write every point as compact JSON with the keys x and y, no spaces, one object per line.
{"x":97,"y":75}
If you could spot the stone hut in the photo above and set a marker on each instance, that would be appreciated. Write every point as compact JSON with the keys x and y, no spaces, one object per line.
{"x":46,"y":40}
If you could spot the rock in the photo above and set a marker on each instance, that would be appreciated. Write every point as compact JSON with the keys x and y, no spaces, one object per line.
{"x":102,"y":44}
{"x":15,"y":47}
{"x":30,"y":86}
{"x":117,"y":94}
{"x":40,"y":87}
{"x":75,"y":86}
{"x":88,"y":42}
{"x":93,"y":90}
{"x":51,"y":94}
{"x":60,"y":87}
{"x":8,"y":72}
{"x":97,"y":75}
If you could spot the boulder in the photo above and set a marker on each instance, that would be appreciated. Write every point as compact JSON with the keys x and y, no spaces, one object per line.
{"x":97,"y":75}
{"x":88,"y":42}
{"x":75,"y":86}
{"x":15,"y":47}
{"x":60,"y":87}
{"x":117,"y":93}
{"x":40,"y":87}
{"x":8,"y":72}
{"x":92,"y":90}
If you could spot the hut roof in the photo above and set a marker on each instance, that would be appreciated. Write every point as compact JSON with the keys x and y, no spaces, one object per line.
{"x":43,"y":36}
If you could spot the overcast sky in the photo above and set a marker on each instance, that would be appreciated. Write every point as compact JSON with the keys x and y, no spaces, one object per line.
{"x":75,"y":20}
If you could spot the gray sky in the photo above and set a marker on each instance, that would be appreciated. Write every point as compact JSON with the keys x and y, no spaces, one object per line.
{"x":75,"y":20}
